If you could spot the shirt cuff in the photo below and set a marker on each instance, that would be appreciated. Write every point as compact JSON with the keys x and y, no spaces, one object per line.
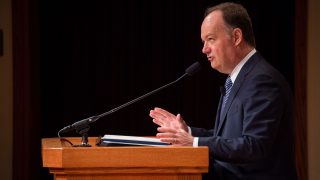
{"x":195,"y":141}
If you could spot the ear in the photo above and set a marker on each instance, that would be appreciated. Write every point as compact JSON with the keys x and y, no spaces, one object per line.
{"x":237,"y":36}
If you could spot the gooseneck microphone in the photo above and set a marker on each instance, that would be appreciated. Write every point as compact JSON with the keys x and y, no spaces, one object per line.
{"x":82,"y":126}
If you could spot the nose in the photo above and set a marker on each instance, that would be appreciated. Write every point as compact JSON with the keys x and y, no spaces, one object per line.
{"x":205,"y":49}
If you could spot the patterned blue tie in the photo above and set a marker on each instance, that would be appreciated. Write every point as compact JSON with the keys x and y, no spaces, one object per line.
{"x":227,"y":86}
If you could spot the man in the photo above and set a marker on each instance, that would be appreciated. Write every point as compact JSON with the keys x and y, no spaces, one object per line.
{"x":253,"y":133}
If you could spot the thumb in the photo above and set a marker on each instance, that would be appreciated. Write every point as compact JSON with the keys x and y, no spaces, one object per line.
{"x":178,"y":117}
{"x":183,"y":124}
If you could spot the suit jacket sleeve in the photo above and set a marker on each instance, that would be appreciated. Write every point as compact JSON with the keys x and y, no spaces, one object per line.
{"x":201,"y":132}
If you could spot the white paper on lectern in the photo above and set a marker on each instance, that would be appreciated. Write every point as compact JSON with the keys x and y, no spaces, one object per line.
{"x":133,"y":140}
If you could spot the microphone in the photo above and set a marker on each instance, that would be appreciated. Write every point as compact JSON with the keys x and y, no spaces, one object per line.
{"x":82,"y":125}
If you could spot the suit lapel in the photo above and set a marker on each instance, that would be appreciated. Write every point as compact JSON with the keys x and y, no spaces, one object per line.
{"x":232,"y":94}
{"x":235,"y":88}
{"x":217,"y":123}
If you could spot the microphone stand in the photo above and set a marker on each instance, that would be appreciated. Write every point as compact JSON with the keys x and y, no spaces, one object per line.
{"x":82,"y":127}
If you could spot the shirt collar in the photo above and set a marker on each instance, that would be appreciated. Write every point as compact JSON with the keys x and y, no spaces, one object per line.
{"x":233,"y":75}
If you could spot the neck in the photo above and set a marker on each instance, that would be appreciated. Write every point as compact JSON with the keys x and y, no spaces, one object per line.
{"x":243,"y":51}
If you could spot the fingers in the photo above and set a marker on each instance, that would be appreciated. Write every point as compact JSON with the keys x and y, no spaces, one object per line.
{"x":166,"y":130}
{"x":161,"y":117}
{"x":160,"y":113}
{"x":172,"y":141}
{"x":168,"y":138}
{"x":158,"y":122}
{"x":179,"y":138}
{"x":172,"y":128}
{"x":156,"y":115}
{"x":164,"y":112}
{"x":157,"y":118}
{"x":165,"y":135}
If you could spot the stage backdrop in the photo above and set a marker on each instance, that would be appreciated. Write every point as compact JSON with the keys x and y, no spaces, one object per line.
{"x":96,"y":56}
{"x":93,"y":56}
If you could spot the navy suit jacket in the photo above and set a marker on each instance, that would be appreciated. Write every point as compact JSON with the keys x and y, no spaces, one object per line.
{"x":253,"y":136}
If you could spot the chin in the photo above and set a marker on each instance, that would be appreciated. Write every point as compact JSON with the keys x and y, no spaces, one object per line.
{"x":217,"y":68}
{"x":213,"y":65}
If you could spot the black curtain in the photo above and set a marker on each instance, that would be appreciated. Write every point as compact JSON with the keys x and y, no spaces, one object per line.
{"x":97,"y":55}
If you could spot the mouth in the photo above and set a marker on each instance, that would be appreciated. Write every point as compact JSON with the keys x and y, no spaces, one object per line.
{"x":210,"y":58}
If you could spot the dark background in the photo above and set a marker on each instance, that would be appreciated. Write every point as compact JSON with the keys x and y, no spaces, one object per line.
{"x":97,"y":55}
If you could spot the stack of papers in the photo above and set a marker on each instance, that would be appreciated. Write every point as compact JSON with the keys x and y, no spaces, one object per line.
{"x":109,"y":140}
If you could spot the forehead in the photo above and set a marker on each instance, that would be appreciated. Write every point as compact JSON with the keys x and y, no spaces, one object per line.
{"x":212,"y":23}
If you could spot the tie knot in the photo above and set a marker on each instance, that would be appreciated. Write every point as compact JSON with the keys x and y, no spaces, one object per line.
{"x":228,"y":83}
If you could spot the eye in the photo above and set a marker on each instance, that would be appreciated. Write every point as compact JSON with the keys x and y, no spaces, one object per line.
{"x":211,"y":39}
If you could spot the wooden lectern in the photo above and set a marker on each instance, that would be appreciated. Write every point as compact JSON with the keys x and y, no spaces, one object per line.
{"x":122,"y":162}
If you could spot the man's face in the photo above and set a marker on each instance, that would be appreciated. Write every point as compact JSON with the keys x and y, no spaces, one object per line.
{"x":218,"y":42}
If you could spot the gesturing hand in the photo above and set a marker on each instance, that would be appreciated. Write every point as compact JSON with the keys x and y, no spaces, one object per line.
{"x":175,"y":137}
{"x":173,"y":129}
{"x":166,"y":119}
